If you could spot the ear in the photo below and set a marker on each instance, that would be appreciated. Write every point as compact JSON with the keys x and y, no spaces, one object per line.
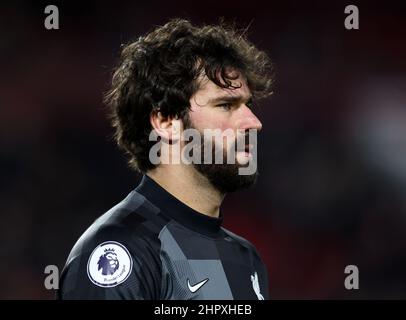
{"x":167,"y":127}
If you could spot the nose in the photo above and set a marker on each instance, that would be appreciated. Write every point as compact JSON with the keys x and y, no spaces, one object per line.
{"x":249,"y":120}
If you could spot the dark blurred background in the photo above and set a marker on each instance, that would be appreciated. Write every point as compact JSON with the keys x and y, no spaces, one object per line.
{"x":332,"y":152}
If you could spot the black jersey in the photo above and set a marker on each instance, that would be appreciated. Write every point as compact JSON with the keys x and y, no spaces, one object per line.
{"x":153,"y":246}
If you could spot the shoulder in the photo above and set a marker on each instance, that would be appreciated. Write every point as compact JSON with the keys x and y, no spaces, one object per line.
{"x":133,"y":220}
{"x":120,"y":248}
{"x":241,"y":241}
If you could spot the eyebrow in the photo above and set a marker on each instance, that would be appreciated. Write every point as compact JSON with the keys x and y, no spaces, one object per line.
{"x":229,"y":98}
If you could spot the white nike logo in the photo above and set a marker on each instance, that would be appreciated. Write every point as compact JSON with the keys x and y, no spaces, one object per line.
{"x":197,"y":286}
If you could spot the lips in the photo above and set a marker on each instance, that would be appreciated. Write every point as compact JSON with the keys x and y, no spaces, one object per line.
{"x":248,"y":148}
{"x":244,"y":155}
{"x":244,"y":146}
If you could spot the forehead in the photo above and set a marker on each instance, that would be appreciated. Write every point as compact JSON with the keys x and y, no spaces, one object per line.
{"x":209,"y":90}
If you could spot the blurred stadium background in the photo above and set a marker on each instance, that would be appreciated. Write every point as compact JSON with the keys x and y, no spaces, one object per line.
{"x":332,"y":153}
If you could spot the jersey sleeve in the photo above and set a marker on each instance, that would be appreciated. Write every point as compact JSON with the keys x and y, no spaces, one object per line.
{"x":112,"y":264}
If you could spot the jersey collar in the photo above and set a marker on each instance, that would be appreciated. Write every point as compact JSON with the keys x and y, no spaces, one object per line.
{"x":177,"y":210}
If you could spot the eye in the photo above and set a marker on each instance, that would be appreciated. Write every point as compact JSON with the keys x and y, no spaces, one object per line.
{"x":226,"y":106}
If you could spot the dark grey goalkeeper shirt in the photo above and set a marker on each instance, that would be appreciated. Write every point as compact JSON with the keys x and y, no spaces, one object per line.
{"x":153,"y":246}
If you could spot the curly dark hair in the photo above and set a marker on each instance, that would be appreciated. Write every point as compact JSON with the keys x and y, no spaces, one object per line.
{"x":159,"y":71}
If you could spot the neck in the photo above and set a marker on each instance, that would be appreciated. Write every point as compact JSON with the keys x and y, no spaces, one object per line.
{"x":190,"y":187}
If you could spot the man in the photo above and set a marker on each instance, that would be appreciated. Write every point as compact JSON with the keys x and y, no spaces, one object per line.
{"x":165,"y":240}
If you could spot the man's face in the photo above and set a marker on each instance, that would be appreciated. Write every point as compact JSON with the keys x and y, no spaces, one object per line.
{"x":227,"y":110}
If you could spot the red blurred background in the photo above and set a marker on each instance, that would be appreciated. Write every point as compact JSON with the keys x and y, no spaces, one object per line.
{"x":332,"y":153}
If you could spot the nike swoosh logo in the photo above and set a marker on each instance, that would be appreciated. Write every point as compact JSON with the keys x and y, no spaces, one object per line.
{"x":197,"y":286}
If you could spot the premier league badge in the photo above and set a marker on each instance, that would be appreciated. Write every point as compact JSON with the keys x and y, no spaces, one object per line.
{"x":109,"y":264}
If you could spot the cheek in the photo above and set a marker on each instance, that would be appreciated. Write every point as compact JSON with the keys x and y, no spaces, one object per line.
{"x":203,"y":119}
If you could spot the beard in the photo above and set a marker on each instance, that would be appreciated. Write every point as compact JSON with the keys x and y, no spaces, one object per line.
{"x":225,"y":177}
